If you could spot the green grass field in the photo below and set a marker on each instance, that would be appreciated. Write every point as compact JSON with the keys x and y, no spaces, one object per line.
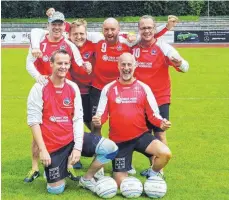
{"x":199,"y":137}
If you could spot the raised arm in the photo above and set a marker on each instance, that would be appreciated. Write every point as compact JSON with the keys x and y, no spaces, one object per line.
{"x":37,"y":36}
{"x":174,"y":58}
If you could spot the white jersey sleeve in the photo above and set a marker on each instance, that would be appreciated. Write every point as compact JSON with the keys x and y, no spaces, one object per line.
{"x":151,"y":100}
{"x":37,"y":35}
{"x":160,"y":28}
{"x":138,"y":37}
{"x":76,"y":54}
{"x":103,"y":99}
{"x":30,"y":67}
{"x":129,"y":44}
{"x":35,"y":105}
{"x":78,"y":125}
{"x":170,"y":51}
{"x":95,"y":37}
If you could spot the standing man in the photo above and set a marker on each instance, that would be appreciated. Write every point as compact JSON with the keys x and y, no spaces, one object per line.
{"x":55,"y":116}
{"x":83,"y":78}
{"x":126,"y":101}
{"x":107,"y":54}
{"x":39,"y":68}
{"x":154,"y":57}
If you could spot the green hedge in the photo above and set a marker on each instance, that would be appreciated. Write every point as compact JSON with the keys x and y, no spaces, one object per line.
{"x":75,"y":9}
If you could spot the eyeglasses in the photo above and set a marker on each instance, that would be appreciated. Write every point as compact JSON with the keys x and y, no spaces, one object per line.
{"x":149,"y":28}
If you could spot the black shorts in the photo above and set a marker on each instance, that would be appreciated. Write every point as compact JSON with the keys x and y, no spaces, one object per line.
{"x":123,"y":160}
{"x":94,"y":98}
{"x":164,"y":112}
{"x":90,"y":142}
{"x":86,"y":107}
{"x":58,"y":168}
{"x":59,"y":160}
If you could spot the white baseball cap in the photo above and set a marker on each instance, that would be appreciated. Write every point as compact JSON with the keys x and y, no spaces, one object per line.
{"x":57,"y":16}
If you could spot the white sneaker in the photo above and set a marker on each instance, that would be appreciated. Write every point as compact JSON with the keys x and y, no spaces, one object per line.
{"x":88,"y":184}
{"x":99,"y":174}
{"x":146,"y":172}
{"x":132,"y":171}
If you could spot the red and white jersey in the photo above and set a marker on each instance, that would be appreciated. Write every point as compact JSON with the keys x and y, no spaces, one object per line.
{"x":67,"y":27}
{"x":78,"y":74}
{"x":59,"y":112}
{"x":106,"y":62}
{"x":126,"y":106}
{"x":153,"y":68}
{"x":41,"y":66}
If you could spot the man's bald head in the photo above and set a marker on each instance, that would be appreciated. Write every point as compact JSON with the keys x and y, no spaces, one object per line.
{"x":111,"y":30}
{"x":126,"y":67}
{"x":111,"y":20}
{"x":127,"y":55}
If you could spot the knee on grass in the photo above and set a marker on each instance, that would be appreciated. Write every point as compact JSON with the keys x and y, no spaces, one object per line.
{"x":56,"y":189}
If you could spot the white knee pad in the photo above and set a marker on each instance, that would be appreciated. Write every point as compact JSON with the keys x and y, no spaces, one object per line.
{"x":56,"y":190}
{"x":106,"y":150}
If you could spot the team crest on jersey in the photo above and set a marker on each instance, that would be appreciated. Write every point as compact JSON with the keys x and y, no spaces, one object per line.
{"x":52,"y":118}
{"x":45,"y":58}
{"x":105,"y":57}
{"x":67,"y":101}
{"x":63,"y":47}
{"x":119,"y":48}
{"x":118,"y":100}
{"x":86,"y":55}
{"x":153,"y":52}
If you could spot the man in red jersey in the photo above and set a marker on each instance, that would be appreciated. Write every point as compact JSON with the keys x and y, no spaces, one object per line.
{"x":154,"y":56}
{"x":82,"y":77}
{"x":55,"y":116}
{"x":126,"y":101}
{"x":39,"y":68}
{"x":107,"y":54}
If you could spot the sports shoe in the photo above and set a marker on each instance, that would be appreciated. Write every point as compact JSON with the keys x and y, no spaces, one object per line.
{"x":99,"y":174}
{"x":160,"y":174}
{"x":31,"y":176}
{"x":132,"y":171}
{"x":72,"y":175}
{"x":78,"y":165}
{"x":145,"y":172}
{"x":88,"y":184}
